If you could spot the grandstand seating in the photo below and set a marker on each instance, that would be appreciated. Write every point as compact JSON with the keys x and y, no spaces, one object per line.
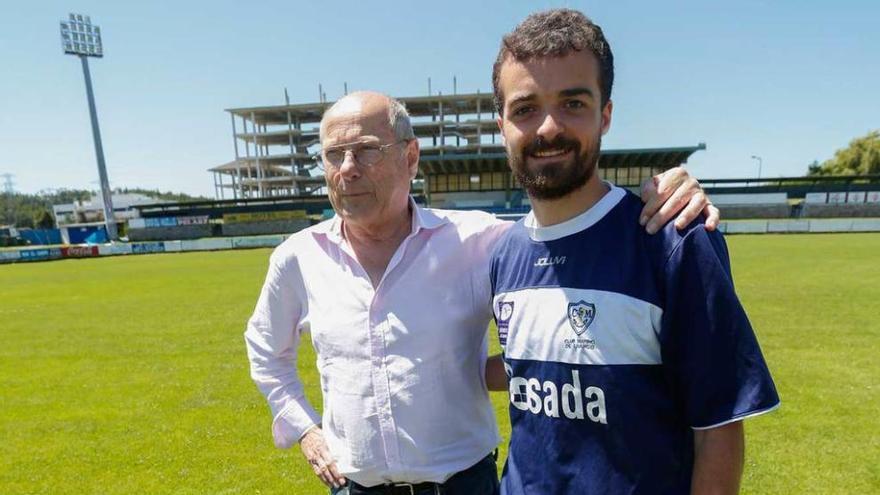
{"x":792,"y":198}
{"x":177,"y":232}
{"x":169,"y":228}
{"x":768,"y":211}
{"x":837,"y":204}
{"x":735,"y":206}
{"x":285,"y":226}
{"x":841,"y":210}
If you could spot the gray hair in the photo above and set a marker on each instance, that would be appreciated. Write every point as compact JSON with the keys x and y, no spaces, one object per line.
{"x":398,"y":117}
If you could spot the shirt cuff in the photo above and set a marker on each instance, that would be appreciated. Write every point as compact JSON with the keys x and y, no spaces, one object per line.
{"x":292,"y":423}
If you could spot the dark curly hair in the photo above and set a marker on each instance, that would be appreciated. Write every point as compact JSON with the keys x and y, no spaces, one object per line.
{"x":555,"y":33}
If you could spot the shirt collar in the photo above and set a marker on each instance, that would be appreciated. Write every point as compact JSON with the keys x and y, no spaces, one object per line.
{"x":422,"y":218}
{"x":581,"y":222}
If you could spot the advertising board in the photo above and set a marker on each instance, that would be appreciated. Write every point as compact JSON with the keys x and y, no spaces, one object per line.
{"x":195,"y":220}
{"x":147,"y":247}
{"x":40,"y":254}
{"x":79,"y":251}
{"x":264,"y":216}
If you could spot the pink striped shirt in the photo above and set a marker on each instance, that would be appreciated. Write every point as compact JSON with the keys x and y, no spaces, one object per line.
{"x":401,"y":366}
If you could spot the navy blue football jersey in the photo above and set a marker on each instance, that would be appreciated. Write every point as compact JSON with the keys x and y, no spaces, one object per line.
{"x":618,"y":345}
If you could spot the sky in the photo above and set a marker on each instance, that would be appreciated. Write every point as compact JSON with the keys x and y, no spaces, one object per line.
{"x":789,"y":81}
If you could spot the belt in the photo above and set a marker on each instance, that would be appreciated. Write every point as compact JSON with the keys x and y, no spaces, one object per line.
{"x":424,"y":488}
{"x":400,"y":489}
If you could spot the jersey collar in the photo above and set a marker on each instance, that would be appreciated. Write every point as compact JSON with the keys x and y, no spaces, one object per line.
{"x":581,"y":222}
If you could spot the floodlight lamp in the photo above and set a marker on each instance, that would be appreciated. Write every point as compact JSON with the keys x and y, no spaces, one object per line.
{"x":80,"y":37}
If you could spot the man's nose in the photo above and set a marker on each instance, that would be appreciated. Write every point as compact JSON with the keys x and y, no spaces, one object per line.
{"x":551,"y":127}
{"x":348,"y":168}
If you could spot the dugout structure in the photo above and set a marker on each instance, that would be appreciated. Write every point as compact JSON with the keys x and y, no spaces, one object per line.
{"x":462,"y":165}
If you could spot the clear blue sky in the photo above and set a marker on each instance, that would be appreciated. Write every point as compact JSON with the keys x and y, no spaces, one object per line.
{"x":791,"y":81}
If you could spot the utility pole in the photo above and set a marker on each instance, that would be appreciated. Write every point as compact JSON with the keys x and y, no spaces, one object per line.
{"x":8,"y":186}
{"x":7,"y":216}
{"x":760,"y":163}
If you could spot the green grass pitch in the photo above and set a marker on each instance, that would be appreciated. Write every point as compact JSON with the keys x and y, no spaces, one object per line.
{"x":128,"y":374}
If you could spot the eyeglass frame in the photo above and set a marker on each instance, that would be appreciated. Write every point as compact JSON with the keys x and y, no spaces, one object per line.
{"x":320,"y":156}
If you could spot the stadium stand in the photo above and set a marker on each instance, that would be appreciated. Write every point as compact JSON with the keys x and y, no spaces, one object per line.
{"x":276,"y":222}
{"x":757,"y":199}
{"x":852,"y":204}
{"x":737,"y":206}
{"x":806,"y":197}
{"x":234,"y":217}
{"x":167,"y":228}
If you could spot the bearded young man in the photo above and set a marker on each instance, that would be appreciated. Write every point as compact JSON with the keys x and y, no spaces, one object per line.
{"x":631,"y":362}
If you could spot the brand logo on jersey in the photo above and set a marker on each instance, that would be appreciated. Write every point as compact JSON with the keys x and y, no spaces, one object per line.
{"x":505,"y":312}
{"x":580,"y":315}
{"x":550,"y":261}
{"x":554,"y":401}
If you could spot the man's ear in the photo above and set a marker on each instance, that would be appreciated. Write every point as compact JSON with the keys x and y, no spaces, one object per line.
{"x":500,"y":122}
{"x":606,"y":116}
{"x":412,"y":157}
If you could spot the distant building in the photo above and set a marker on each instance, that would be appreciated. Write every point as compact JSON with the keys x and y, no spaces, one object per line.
{"x":463,"y":162}
{"x":8,"y":231}
{"x":92,"y":210}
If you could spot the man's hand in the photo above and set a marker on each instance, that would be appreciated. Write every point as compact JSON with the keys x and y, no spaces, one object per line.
{"x":314,"y":448}
{"x":671,"y":192}
{"x":496,"y":377}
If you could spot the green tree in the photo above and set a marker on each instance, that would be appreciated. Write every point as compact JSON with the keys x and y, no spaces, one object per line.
{"x":861,"y":157}
{"x":44,"y":220}
{"x":165,"y":196}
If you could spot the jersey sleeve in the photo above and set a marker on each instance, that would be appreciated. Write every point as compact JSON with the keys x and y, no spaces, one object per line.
{"x":709,"y":348}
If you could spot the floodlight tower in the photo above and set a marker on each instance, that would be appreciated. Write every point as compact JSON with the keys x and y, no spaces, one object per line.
{"x":79,"y":37}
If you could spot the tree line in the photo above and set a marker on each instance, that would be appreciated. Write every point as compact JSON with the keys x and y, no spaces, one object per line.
{"x":861,"y":157}
{"x":35,"y":210}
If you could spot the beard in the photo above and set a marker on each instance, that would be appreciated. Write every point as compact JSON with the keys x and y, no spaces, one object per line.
{"x":556,"y":179}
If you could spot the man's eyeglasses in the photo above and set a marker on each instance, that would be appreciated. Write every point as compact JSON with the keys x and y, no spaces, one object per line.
{"x":365,"y":156}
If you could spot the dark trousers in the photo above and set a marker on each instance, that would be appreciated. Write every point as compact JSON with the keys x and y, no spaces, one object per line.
{"x":479,"y":479}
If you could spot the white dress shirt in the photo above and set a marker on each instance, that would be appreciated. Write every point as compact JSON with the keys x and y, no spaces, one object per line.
{"x":401,"y":366}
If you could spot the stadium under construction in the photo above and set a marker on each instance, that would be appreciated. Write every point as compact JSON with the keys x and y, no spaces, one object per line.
{"x":462,"y":163}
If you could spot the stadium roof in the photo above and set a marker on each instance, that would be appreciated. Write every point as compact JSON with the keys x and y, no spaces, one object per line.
{"x":462,"y":159}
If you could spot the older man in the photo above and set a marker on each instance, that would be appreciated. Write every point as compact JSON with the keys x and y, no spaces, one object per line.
{"x":397,"y":300}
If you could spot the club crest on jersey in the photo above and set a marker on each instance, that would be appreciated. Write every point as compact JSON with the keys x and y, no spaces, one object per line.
{"x":581,"y":315}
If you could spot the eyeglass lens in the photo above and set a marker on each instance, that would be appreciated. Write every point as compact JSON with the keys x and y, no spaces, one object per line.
{"x":364,"y":156}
